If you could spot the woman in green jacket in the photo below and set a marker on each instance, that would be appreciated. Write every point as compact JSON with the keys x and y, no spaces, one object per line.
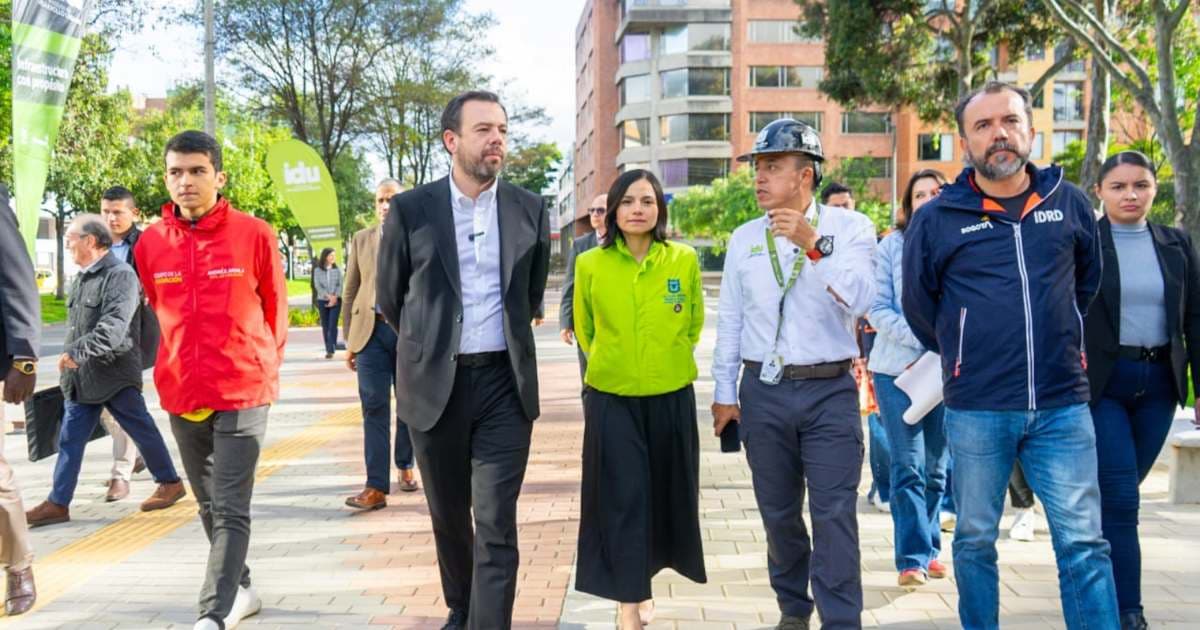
{"x":638,"y":315}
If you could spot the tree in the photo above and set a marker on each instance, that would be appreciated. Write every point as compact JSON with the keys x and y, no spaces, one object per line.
{"x":533,"y":167}
{"x":1166,"y":86}
{"x":310,"y":61}
{"x":6,"y":43}
{"x":916,"y":53}
{"x":714,"y":212}
{"x":856,"y":174}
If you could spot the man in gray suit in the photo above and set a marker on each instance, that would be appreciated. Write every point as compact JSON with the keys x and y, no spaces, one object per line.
{"x":566,"y":312}
{"x":20,"y":339}
{"x":462,"y":272}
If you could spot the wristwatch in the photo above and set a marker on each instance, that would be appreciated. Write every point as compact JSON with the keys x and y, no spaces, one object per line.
{"x":25,"y":366}
{"x":823,"y":248}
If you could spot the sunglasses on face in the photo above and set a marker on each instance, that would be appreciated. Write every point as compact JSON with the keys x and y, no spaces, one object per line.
{"x":597,"y":211}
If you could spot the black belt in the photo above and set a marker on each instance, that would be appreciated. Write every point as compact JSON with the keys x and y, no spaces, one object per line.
{"x":803,"y":372}
{"x":480,"y":359}
{"x":1138,"y":353}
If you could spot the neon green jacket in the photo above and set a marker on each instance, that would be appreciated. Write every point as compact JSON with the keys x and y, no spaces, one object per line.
{"x":639,"y":323}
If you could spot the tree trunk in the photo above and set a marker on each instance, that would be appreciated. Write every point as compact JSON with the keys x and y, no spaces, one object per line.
{"x":1099,"y":111}
{"x":60,"y":220}
{"x":1187,"y":191}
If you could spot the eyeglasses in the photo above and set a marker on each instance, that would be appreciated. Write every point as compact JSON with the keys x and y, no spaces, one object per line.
{"x":597,"y":211}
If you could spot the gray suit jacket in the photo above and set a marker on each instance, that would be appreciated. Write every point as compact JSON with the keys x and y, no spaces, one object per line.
{"x":418,"y":289}
{"x":566,"y":311}
{"x":20,"y":307}
{"x":102,"y":332}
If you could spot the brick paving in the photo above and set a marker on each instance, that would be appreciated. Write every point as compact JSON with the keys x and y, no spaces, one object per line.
{"x":318,"y":565}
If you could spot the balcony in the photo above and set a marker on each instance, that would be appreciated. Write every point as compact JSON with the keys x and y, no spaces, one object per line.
{"x":659,"y":13}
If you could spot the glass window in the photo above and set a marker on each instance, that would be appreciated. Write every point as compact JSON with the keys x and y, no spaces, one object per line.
{"x":695,"y":82}
{"x":674,"y":173}
{"x":635,"y":133}
{"x":866,"y":122}
{"x":1061,"y":51}
{"x":1068,"y":101}
{"x":635,"y":47}
{"x":774,"y":32}
{"x":1060,"y":139}
{"x":693,"y":172}
{"x":674,"y":40}
{"x":804,"y":76}
{"x":1037,"y":150}
{"x":695,"y":127}
{"x":708,"y":36}
{"x":1035,"y":53}
{"x":935,"y":146}
{"x":635,"y":89}
{"x":758,"y":120}
{"x":766,"y":76}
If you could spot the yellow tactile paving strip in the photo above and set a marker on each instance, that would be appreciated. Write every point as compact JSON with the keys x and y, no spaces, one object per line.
{"x":80,"y":561}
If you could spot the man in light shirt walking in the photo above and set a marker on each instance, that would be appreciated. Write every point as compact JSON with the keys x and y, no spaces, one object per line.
{"x":794,"y":283}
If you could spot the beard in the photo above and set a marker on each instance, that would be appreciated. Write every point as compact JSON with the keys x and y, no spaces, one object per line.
{"x":478,"y":168}
{"x":1003,"y":170}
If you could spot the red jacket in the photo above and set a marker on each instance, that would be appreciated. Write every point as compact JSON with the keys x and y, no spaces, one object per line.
{"x":217,"y":288}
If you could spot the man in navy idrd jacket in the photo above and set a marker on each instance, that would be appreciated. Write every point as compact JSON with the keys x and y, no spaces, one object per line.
{"x":999,"y":270}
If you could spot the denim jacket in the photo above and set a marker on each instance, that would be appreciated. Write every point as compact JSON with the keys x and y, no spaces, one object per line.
{"x":895,"y":345}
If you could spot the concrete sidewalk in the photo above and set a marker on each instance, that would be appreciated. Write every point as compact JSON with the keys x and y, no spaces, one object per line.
{"x":319,"y":565}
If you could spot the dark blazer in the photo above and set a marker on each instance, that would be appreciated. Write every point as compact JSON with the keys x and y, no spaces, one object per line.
{"x":418,"y":289}
{"x":148,"y":330}
{"x":1181,"y":283}
{"x":566,"y":311}
{"x":20,"y":306}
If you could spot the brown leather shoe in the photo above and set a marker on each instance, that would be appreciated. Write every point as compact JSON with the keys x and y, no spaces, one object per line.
{"x":117,"y":489}
{"x":21,"y":592}
{"x":139,"y":464}
{"x":165,"y":495}
{"x":47,"y":513}
{"x":368,"y":499}
{"x":407,"y":481}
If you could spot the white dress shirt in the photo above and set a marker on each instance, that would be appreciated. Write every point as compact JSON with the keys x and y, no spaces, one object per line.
{"x":477,"y":230}
{"x":820,"y":310}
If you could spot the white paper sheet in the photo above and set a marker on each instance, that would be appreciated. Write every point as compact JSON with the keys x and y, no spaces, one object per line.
{"x":922,"y":381}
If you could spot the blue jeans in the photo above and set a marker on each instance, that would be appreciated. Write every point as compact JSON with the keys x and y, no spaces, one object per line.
{"x":881,"y":460}
{"x":376,"y":369}
{"x":948,"y":497}
{"x":1132,"y":419}
{"x":329,"y":324}
{"x":1057,"y":450}
{"x":919,"y":459}
{"x":79,"y":421}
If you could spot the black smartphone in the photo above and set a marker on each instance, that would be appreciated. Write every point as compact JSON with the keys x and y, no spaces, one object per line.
{"x":731,"y":442}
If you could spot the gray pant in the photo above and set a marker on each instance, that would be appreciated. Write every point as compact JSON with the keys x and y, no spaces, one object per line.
{"x":798,"y":434}
{"x":220,"y":455}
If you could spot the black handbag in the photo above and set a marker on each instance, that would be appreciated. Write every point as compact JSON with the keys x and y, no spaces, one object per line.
{"x":43,"y":421}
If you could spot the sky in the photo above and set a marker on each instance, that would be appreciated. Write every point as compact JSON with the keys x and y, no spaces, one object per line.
{"x":534,"y":60}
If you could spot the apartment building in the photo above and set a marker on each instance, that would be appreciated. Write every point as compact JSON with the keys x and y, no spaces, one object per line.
{"x":681,"y":87}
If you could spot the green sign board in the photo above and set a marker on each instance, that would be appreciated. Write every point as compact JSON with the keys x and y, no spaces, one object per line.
{"x":46,"y":38}
{"x":302,"y":179}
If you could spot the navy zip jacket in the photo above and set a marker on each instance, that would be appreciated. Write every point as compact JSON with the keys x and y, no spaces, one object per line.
{"x":1003,"y":301}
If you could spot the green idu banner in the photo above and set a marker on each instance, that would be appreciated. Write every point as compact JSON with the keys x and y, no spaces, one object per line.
{"x":46,"y":38}
{"x":302,"y":179}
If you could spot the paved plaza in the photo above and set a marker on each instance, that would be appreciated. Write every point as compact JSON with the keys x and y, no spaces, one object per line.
{"x":317,"y":564}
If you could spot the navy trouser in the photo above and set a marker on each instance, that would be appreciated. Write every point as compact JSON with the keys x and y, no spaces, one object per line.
{"x":376,"y":368}
{"x":807,"y":434}
{"x":1132,"y":419}
{"x":128,"y":408}
{"x":329,"y":324}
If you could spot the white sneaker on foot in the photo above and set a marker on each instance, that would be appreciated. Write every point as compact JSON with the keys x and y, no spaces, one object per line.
{"x":207,"y":623}
{"x":947,"y":521}
{"x":882,"y":506}
{"x":1022,"y":528}
{"x":246,"y":604}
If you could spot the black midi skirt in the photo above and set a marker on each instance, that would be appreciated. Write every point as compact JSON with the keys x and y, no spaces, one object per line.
{"x":639,"y":511}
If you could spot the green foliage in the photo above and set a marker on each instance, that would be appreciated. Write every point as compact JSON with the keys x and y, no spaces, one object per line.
{"x":355,"y":192}
{"x":54,"y":310}
{"x":713,"y":212}
{"x":900,"y":54}
{"x":6,"y":174}
{"x":299,"y":286}
{"x":304,"y":318}
{"x":856,"y":174}
{"x":533,"y":167}
{"x":1162,"y":211}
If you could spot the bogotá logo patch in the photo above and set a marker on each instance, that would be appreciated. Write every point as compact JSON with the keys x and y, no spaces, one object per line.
{"x":673,"y":285}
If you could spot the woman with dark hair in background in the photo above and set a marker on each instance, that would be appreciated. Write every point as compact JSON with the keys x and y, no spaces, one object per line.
{"x":1141,"y":337}
{"x":639,"y":309}
{"x":327,"y":282}
{"x":919,"y":453}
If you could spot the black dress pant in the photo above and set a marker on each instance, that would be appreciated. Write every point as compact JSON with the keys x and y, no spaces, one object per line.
{"x":474,"y":459}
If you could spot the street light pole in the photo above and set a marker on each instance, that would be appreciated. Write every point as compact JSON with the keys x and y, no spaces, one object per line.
{"x":210,"y":89}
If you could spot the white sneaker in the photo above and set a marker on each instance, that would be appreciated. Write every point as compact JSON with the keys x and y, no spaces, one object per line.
{"x":882,"y":506}
{"x":207,"y":623}
{"x":1022,"y":528}
{"x":246,"y":604}
{"x":947,"y":521}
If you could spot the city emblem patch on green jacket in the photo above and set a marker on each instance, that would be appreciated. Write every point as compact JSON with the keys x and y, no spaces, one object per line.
{"x":673,"y":285}
{"x":675,"y":294}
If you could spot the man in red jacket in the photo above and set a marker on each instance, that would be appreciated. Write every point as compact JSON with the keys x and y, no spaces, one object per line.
{"x":214,"y":279}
